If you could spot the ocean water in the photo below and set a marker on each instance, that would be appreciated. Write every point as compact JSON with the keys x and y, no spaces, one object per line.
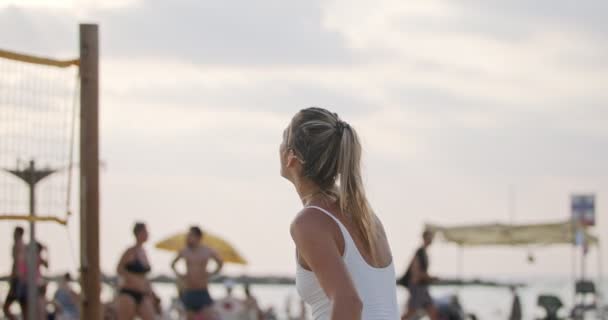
{"x":487,"y":303}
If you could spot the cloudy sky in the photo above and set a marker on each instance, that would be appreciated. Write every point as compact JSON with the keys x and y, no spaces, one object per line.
{"x":457,"y":102}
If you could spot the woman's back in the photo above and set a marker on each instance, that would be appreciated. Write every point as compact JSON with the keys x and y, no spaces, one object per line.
{"x":375,"y":285}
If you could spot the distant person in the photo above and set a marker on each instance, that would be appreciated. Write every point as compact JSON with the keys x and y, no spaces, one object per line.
{"x":43,"y":303}
{"x":231,"y":307}
{"x":302,"y":315}
{"x":176,"y":308}
{"x":43,"y":260}
{"x":417,"y":280}
{"x":157,"y":303}
{"x":195,"y":295}
{"x":17,"y":279}
{"x":136,"y":297}
{"x":39,"y":282}
{"x":515,"y":313}
{"x":251,"y":304}
{"x":67,"y":300}
{"x":109,"y":311}
{"x":270,"y":314}
{"x":344,"y":263}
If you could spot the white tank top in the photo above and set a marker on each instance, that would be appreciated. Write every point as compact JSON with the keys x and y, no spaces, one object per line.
{"x":376,"y":286}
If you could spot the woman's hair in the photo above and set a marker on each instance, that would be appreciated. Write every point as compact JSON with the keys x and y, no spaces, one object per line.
{"x":330,"y":151}
{"x":138,"y":227}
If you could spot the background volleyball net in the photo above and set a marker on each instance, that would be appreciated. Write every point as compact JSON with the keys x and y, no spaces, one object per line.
{"x":38,"y":130}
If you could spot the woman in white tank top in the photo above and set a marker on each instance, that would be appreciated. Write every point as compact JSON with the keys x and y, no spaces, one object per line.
{"x":344,"y":263}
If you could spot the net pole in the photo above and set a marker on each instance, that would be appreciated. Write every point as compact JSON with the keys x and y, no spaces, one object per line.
{"x":32,"y":288}
{"x":89,"y":171}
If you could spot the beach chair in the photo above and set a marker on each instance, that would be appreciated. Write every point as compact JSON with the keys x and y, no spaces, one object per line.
{"x":551,"y":304}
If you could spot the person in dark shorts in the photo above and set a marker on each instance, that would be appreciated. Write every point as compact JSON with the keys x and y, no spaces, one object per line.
{"x":195,"y":295}
{"x":417,"y":280}
{"x":17,"y":279}
{"x":195,"y":300}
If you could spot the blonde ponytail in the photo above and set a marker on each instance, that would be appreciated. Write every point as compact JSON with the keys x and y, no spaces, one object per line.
{"x":352,"y":197}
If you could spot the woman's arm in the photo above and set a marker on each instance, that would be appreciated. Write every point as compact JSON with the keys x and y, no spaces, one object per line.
{"x":120,"y":268}
{"x":314,"y":238}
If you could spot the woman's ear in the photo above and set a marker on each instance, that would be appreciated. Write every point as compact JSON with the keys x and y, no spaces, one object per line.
{"x":292,"y":159}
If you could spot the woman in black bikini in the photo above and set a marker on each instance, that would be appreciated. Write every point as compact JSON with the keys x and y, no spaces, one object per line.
{"x":136,"y":297}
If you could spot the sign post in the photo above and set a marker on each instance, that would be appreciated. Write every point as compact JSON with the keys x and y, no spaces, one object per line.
{"x":582,"y":208}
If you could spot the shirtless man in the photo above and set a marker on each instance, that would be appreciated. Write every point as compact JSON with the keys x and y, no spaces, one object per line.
{"x":195,"y":297}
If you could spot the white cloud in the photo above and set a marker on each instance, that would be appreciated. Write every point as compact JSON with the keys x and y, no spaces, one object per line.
{"x":244,"y":33}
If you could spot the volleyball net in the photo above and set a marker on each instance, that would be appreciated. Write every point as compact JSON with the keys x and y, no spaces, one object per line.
{"x":39,"y":126}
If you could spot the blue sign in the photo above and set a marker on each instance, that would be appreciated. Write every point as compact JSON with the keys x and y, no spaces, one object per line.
{"x":583,"y":209}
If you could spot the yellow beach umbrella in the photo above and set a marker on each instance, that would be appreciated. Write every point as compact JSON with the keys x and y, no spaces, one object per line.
{"x":226,"y":251}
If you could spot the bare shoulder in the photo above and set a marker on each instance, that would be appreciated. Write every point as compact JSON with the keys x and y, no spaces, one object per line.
{"x":379,"y":225}
{"x":310,"y":221}
{"x":384,"y":243}
{"x":130,"y":251}
{"x":182,"y":253}
{"x":206,"y":251}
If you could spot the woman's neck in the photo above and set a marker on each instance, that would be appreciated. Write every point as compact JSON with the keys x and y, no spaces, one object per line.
{"x":307,"y":190}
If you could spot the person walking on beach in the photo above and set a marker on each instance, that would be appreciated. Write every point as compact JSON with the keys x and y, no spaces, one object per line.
{"x":252,"y":307}
{"x":231,"y":307}
{"x":135,"y":297}
{"x":301,"y":315}
{"x":195,"y":296}
{"x":17,"y":280}
{"x":344,"y":263}
{"x":67,"y":300}
{"x":417,"y":280}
